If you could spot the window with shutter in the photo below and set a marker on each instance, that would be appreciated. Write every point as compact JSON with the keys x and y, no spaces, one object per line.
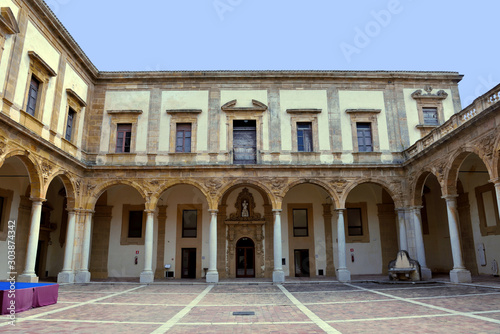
{"x":69,"y":124}
{"x":32,"y":96}
{"x":430,"y":116}
{"x":183,"y":138}
{"x":304,"y":137}
{"x":364,"y":132}
{"x":123,"y":138}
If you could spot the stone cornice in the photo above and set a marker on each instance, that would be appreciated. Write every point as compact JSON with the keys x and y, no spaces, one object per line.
{"x":304,"y":111}
{"x":75,"y":96}
{"x":8,"y":23}
{"x":363,"y":111}
{"x":183,"y":111}
{"x":36,"y":58}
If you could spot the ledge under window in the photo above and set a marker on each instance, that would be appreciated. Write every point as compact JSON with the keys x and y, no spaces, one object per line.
{"x":427,"y":126}
{"x":367,"y":157}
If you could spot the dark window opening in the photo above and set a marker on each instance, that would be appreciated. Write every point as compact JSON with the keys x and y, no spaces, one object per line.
{"x":304,"y":137}
{"x":69,"y":123}
{"x":189,"y":223}
{"x":183,"y":138}
{"x":244,"y":142}
{"x":123,"y":138}
{"x":33,"y":96}
{"x":135,"y":224}
{"x":430,"y":116}
{"x":364,"y":131}
{"x":354,"y":222}
{"x":300,"y":223}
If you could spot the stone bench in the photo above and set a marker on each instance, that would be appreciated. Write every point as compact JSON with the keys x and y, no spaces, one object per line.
{"x":404,"y":268}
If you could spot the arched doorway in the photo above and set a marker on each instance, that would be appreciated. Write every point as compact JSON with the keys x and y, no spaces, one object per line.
{"x":245,"y":258}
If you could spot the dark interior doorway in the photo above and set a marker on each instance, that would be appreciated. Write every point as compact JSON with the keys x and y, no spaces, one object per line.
{"x":188,"y":263}
{"x":245,"y":258}
{"x":301,"y":263}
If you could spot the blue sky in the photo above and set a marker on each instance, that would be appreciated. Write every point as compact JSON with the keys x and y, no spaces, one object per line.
{"x":290,"y":35}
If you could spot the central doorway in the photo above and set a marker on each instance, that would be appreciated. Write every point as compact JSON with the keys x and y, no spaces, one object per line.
{"x":188,"y":263}
{"x":302,"y":263}
{"x":245,"y":258}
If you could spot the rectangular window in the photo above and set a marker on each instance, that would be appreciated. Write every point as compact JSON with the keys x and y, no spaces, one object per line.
{"x":300,"y":224}
{"x":32,"y":96}
{"x":304,"y":137}
{"x":189,"y":223}
{"x":183,"y":138}
{"x":69,"y":124}
{"x":354,"y":222}
{"x":135,"y":224}
{"x":365,"y":143}
{"x":430,"y":116}
{"x":123,"y":138}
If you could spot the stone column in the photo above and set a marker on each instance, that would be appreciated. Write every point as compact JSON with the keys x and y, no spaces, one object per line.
{"x":29,"y":274}
{"x":147,"y":275}
{"x":278,"y":273}
{"x":343,"y":275}
{"x":67,"y":275}
{"x":213,"y":274}
{"x":403,"y":241}
{"x":496,"y":182}
{"x":426,"y":273}
{"x":83,"y":275}
{"x":459,"y":274}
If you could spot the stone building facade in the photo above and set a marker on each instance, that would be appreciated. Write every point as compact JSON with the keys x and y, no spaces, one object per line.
{"x":231,"y":174}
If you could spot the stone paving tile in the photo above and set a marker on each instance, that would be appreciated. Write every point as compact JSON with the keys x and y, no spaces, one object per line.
{"x":439,"y":291}
{"x":317,"y":287}
{"x":38,"y":310}
{"x":244,"y":299}
{"x":250,"y":329}
{"x":369,"y":310}
{"x":468,"y":303}
{"x":36,"y":327}
{"x":112,"y":288}
{"x":448,"y":325}
{"x":495,"y":315}
{"x":164,"y":288}
{"x":388,"y":285}
{"x":225,"y":314}
{"x":132,"y":313}
{"x":65,"y":296}
{"x":164,"y":299}
{"x":339,"y":296}
{"x":237,"y":288}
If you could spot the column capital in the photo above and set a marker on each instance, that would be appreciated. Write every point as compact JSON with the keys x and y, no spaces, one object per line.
{"x":277,"y":210}
{"x":496,"y":181}
{"x":340,"y":209}
{"x":213,"y":211}
{"x":87,"y":211}
{"x":416,"y":207}
{"x":149,"y":211}
{"x":37,"y":199}
{"x":451,"y":197}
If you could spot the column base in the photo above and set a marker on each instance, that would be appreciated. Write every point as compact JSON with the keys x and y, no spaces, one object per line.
{"x":278,"y":276}
{"x":82,"y":277}
{"x":343,"y":275}
{"x":147,"y":277}
{"x":460,"y":276}
{"x":425,"y":274}
{"x":212,"y":277}
{"x":66,"y":277}
{"x":27,"y":278}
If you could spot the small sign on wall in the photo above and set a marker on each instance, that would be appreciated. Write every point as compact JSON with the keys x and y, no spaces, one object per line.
{"x":136,"y":252}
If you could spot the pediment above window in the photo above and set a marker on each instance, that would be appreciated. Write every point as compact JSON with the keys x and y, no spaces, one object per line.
{"x":39,"y":62}
{"x":8,"y":23}
{"x":128,"y":112}
{"x":72,"y":94}
{"x":419,"y":95}
{"x":183,"y":111}
{"x":256,"y":106}
{"x":304,"y":111}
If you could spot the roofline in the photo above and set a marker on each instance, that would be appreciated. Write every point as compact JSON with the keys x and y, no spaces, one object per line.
{"x":299,"y":74}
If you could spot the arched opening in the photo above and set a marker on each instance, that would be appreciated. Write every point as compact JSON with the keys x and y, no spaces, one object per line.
{"x":245,"y":258}
{"x":307,"y":232}
{"x":371,"y":229}
{"x":435,"y":228}
{"x":478,"y":215}
{"x":118,"y":234}
{"x":182,"y":232}
{"x":245,"y":211}
{"x":15,"y":211}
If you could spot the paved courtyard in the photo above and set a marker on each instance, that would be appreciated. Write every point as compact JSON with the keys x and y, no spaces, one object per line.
{"x":293,"y":307}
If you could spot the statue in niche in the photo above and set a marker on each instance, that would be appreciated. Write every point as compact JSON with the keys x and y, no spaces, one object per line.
{"x":244,"y":209}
